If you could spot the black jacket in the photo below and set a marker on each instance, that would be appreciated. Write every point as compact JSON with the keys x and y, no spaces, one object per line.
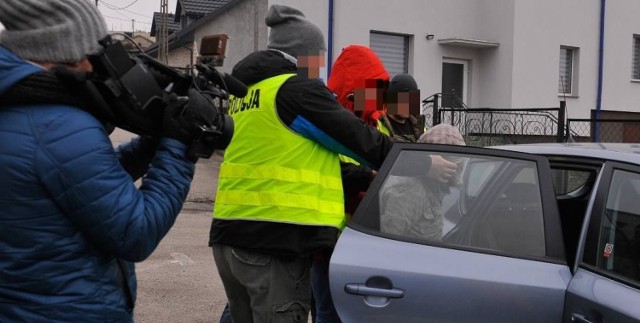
{"x":325,"y":121}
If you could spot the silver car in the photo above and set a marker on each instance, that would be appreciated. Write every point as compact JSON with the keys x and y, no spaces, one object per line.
{"x":524,"y":233}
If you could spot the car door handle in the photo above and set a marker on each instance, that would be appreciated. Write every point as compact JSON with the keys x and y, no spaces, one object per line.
{"x":364,"y":290}
{"x":575,"y":317}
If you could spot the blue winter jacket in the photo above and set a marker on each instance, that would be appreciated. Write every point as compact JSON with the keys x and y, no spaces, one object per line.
{"x":72,"y":222}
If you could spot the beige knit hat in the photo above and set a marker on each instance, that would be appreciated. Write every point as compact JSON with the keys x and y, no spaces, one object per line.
{"x":443,"y":133}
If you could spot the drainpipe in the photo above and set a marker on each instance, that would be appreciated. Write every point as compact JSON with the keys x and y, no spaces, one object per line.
{"x":600,"y":68}
{"x":330,"y":39}
{"x":256,"y":26}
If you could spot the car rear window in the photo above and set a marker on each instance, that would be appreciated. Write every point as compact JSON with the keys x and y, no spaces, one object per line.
{"x":492,"y":203}
{"x":566,"y":181}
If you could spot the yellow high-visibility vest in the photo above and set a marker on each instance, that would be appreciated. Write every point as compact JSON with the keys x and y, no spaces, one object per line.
{"x":382,"y":128}
{"x":270,"y":173}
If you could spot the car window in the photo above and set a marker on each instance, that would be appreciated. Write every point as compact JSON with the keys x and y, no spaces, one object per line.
{"x":566,"y":181}
{"x":493,"y":203}
{"x":619,"y":238}
{"x":479,"y":172}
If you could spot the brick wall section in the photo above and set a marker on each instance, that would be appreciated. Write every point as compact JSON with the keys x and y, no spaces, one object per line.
{"x":180,"y":58}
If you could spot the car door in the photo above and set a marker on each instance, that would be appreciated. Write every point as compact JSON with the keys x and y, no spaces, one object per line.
{"x":606,"y":284}
{"x":495,"y":253}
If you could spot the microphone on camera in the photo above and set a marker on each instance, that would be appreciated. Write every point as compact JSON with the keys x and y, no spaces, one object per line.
{"x":234,"y":86}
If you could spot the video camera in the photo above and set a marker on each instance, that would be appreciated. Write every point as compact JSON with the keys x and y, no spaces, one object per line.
{"x":133,"y":87}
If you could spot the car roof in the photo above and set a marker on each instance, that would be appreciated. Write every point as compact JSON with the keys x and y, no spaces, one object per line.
{"x":622,"y":152}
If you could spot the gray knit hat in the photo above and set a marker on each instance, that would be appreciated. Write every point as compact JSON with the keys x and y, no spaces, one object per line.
{"x":292,"y":33}
{"x":51,"y":31}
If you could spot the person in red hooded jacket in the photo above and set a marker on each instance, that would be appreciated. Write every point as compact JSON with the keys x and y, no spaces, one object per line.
{"x":359,"y":81}
{"x":363,"y":86}
{"x":358,"y":76}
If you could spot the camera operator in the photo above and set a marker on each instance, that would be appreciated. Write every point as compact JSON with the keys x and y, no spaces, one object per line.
{"x":72,"y":220}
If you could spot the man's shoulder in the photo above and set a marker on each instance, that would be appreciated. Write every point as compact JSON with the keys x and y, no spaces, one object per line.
{"x":304,"y":84}
{"x":261,"y":65}
{"x":62,"y":116}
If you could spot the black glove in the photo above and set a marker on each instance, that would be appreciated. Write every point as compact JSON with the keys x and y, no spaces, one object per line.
{"x":201,"y":110}
{"x":174,"y":124}
{"x":183,"y":120}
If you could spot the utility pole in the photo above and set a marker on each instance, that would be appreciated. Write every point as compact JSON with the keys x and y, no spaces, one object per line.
{"x":96,"y":3}
{"x":163,"y":34}
{"x":133,"y":25}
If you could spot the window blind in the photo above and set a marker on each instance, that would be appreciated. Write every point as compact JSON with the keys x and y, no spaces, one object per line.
{"x":635,"y":65}
{"x":566,"y":70}
{"x":393,"y":51}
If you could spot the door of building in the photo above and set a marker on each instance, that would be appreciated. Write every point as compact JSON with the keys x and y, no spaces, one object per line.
{"x":454,"y":83}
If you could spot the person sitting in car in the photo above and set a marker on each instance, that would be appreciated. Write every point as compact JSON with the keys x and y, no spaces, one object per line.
{"x":411,"y":206}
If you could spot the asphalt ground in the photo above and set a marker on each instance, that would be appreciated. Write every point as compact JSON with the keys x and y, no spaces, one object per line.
{"x":179,"y":282}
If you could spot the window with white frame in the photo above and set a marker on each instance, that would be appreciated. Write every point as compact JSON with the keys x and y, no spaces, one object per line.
{"x":393,"y":51}
{"x":635,"y":64}
{"x":567,"y":83}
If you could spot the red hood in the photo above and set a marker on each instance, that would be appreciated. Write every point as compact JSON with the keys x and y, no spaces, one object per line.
{"x":356,"y":64}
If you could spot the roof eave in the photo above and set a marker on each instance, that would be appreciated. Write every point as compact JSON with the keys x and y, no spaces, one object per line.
{"x":176,"y":39}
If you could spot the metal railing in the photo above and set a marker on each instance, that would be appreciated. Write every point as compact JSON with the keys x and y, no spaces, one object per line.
{"x":492,"y":126}
{"x":610,"y":130}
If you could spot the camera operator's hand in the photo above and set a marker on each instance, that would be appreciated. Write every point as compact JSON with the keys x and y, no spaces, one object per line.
{"x":200,"y":109}
{"x":182,"y":120}
{"x":174,"y":123}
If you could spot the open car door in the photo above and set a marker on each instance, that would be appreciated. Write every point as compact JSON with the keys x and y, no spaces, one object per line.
{"x":486,"y":247}
{"x":606,"y":284}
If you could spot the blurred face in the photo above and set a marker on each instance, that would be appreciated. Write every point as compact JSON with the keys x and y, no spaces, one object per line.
{"x":369,"y":95}
{"x":309,"y":65}
{"x":81,"y":66}
{"x":402,"y":104}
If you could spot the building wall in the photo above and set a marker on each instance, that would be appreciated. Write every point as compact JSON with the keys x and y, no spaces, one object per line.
{"x":619,"y":92}
{"x":180,"y":58}
{"x":492,"y":71}
{"x":538,"y":38}
{"x":244,"y":24}
{"x":523,"y":71}
{"x":354,"y":20}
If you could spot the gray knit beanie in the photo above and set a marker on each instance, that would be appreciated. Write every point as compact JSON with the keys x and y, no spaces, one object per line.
{"x":292,"y":33}
{"x":51,"y":31}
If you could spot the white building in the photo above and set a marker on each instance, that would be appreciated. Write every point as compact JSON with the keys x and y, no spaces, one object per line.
{"x":499,"y":53}
{"x":493,"y":53}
